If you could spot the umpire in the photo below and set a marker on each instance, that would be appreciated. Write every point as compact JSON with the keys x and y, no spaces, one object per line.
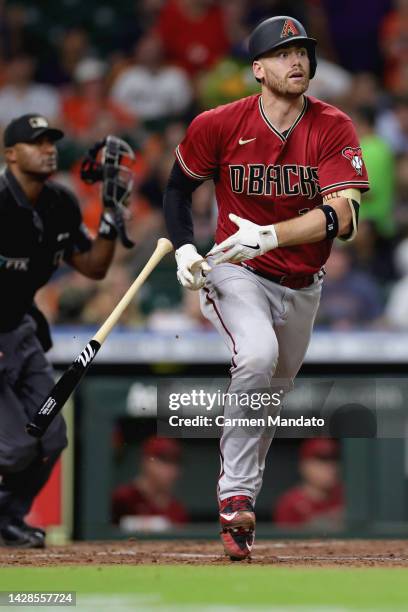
{"x":41,"y":225}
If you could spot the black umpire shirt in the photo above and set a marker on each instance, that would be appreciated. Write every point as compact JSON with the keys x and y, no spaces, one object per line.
{"x":33,"y":242}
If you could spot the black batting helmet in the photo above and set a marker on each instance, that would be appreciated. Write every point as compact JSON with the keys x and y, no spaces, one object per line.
{"x":276,"y":32}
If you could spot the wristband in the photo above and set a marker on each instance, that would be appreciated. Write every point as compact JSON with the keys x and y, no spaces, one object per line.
{"x":332,"y":221}
{"x":107,"y":227}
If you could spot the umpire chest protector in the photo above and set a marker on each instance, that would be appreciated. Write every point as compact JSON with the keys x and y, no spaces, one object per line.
{"x":33,"y":242}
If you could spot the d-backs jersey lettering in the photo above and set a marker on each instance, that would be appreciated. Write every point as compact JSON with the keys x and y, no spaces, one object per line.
{"x":268,"y":177}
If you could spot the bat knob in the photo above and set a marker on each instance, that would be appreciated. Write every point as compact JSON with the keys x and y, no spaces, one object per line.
{"x":34,"y":430}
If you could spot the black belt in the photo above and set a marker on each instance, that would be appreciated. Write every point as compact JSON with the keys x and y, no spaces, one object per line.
{"x":291,"y":281}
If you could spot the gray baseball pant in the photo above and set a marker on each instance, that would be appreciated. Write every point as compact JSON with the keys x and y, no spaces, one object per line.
{"x":267,"y":328}
{"x":26,"y":378}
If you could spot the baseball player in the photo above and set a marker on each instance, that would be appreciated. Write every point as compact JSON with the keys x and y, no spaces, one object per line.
{"x":41,"y":225}
{"x":288,"y":176}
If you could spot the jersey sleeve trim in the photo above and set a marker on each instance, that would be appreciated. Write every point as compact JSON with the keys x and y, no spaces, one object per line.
{"x":364,"y":185}
{"x":194,"y":175}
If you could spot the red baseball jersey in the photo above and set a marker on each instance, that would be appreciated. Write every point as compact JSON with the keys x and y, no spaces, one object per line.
{"x":265,"y":176}
{"x":295,"y":507}
{"x":128,"y":500}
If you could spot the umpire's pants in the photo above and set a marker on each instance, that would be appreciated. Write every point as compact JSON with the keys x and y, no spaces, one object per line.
{"x":25,"y":462}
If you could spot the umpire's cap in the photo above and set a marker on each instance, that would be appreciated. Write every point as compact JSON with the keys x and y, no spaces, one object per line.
{"x":279,"y":31}
{"x":28,"y":128}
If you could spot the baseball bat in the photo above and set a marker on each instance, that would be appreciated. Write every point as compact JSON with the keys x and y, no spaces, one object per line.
{"x":70,"y":379}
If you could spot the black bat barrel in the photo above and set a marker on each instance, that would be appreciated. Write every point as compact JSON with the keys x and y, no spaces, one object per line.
{"x":60,"y":393}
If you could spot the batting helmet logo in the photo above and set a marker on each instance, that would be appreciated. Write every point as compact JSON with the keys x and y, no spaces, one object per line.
{"x":353,"y":154}
{"x":289,"y":29}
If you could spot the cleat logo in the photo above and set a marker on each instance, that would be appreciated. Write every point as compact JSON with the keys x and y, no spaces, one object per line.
{"x":228,"y":517}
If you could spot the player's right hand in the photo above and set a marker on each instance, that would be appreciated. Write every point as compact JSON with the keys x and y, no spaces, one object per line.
{"x":191,"y":267}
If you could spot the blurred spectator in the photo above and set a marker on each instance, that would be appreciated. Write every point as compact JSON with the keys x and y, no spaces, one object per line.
{"x":350,"y":298}
{"x":364,"y":91}
{"x":59,"y":69}
{"x":318,"y":25}
{"x":394,"y":43}
{"x":262,"y":9}
{"x":107,"y":295}
{"x":71,"y":304}
{"x":331,"y":81}
{"x":378,"y":203}
{"x":396,"y":310}
{"x":401,"y":213}
{"x":147,"y":503}
{"x":193,"y":33}
{"x":144,"y":16}
{"x":88,"y":114}
{"x":15,"y":38}
{"x":353,"y":29}
{"x":317,"y":502}
{"x":372,"y":254}
{"x":238,"y":27}
{"x":20,"y":95}
{"x":185,"y":319}
{"x":62,"y":301}
{"x":149,"y":89}
{"x":392,"y":125}
{"x":228,"y":80}
{"x":153,"y":187}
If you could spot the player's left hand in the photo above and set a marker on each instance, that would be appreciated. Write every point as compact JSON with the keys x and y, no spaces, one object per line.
{"x":248,"y":242}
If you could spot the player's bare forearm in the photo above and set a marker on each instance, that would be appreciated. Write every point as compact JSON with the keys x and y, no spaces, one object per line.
{"x":95,"y":262}
{"x":311,"y":227}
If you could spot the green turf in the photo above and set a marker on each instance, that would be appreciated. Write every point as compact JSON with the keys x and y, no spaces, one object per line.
{"x":246,"y":586}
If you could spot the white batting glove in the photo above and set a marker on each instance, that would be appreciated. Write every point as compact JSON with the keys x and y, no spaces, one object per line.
{"x":191,"y":267}
{"x":248,"y":242}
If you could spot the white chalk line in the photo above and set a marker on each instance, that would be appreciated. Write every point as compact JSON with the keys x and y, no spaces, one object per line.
{"x":128,"y":603}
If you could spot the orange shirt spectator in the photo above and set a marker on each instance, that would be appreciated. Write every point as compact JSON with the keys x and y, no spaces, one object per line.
{"x":88,"y":114}
{"x":193,"y":33}
{"x":79,"y":114}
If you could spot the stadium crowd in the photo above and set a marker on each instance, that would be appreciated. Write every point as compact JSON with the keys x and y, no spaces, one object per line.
{"x":143,"y":69}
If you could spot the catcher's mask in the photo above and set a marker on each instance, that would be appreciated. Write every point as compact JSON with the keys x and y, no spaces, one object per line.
{"x":115,"y":171}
